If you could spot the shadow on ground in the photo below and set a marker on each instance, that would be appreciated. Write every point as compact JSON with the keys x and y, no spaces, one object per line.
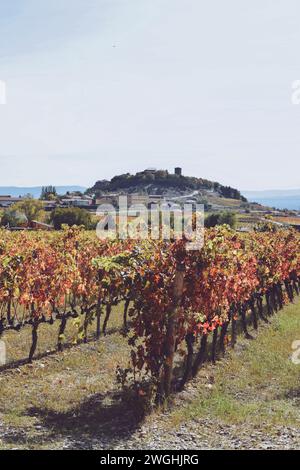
{"x":11,"y":365}
{"x":100,"y":420}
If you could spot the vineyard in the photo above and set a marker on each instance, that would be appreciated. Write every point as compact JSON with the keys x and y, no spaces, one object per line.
{"x":178,"y":307}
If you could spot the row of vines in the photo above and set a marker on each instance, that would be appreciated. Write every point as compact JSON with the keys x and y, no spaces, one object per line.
{"x":176,"y":304}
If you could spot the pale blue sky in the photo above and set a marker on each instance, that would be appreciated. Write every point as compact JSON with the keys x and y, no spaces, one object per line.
{"x":101,"y":87}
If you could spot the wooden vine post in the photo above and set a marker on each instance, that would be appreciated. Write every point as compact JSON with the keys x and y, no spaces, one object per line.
{"x":61,"y":333}
{"x":99,"y":306}
{"x":34,"y":334}
{"x":171,"y":325}
{"x":98,"y":316}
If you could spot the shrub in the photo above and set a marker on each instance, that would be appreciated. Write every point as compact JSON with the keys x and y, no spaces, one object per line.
{"x":223,"y":218}
{"x":70,"y":216}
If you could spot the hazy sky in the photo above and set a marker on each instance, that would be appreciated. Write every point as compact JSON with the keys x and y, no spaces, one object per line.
{"x":101,"y":87}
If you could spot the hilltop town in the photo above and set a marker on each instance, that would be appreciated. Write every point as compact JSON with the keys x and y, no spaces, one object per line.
{"x":152,"y":186}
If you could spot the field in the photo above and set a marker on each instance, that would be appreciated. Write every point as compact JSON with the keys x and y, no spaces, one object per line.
{"x":103,"y":337}
{"x":58,"y":388}
{"x":248,"y":221}
{"x":225,"y":202}
{"x":287,"y":220}
{"x":249,"y":399}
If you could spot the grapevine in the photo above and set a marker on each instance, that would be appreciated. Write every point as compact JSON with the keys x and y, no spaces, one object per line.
{"x":174,"y":299}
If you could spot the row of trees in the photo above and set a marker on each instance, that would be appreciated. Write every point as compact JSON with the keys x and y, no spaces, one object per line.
{"x":23,"y":213}
{"x":48,"y":193}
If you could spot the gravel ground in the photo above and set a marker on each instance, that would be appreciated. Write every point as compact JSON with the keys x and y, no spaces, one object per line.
{"x":207,"y":434}
{"x":157,"y":434}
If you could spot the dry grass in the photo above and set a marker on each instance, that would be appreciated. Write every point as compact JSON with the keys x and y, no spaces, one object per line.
{"x":257,"y":383}
{"x":287,"y":220}
{"x":222,"y":201}
{"x":53,"y":390}
{"x":18,"y":343}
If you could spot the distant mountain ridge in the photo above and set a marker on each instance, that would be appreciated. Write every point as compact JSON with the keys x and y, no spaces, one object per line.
{"x":280,"y":199}
{"x":35,"y":191}
{"x":272,"y":193}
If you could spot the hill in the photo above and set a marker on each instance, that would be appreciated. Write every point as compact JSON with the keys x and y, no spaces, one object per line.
{"x":162,"y":182}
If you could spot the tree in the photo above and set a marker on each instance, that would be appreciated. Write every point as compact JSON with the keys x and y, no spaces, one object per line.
{"x":31,"y":208}
{"x":48,"y":193}
{"x":223,"y":218}
{"x":70,"y":216}
{"x":228,"y":218}
{"x":212,"y":220}
{"x":13,"y":218}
